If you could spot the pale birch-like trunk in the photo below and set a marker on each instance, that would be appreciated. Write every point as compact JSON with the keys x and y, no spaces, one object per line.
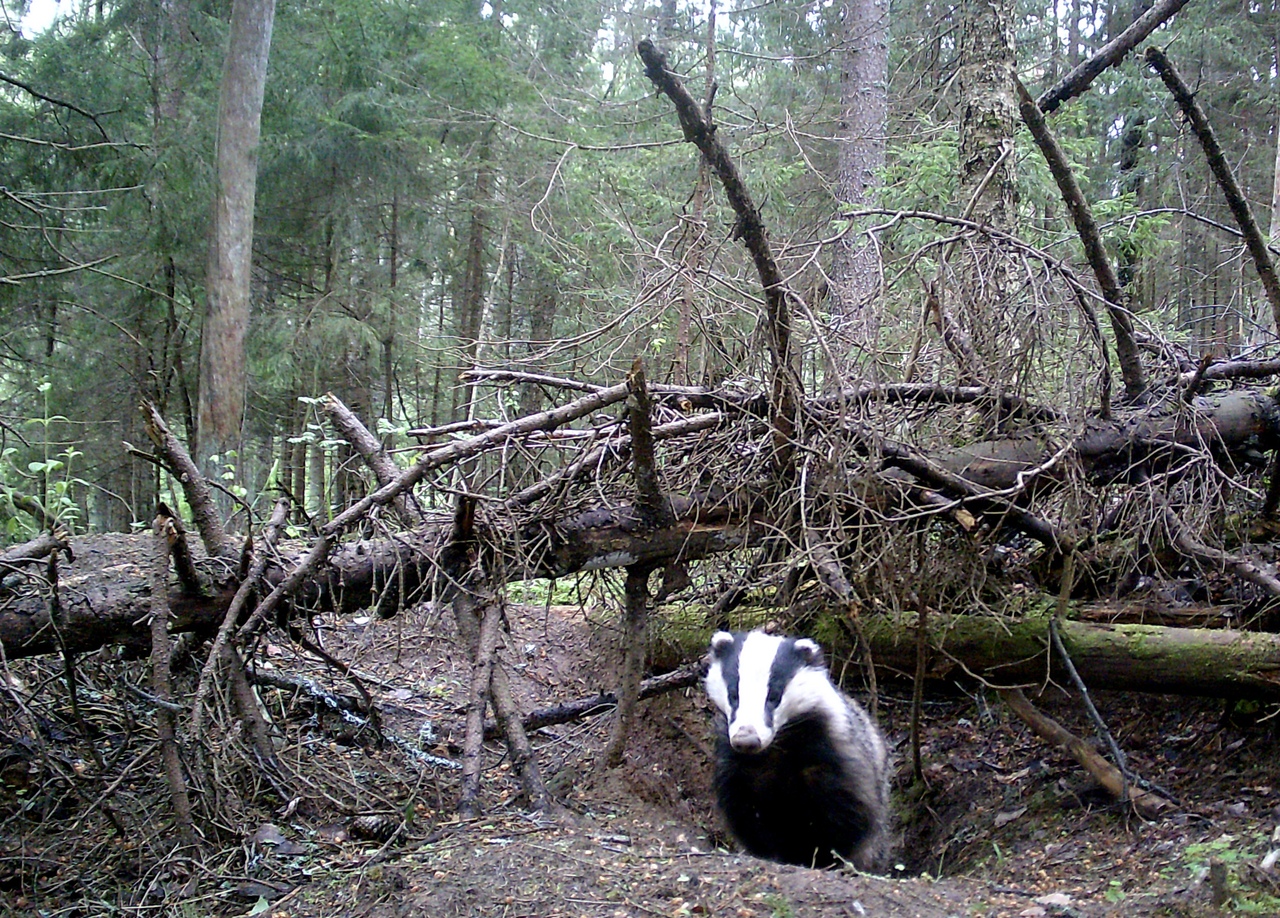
{"x":226,"y":319}
{"x":864,"y":112}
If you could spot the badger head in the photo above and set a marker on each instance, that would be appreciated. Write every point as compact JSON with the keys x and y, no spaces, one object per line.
{"x":761,"y":683}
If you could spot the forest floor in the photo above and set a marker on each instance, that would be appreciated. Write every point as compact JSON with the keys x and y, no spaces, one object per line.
{"x":1007,"y":827}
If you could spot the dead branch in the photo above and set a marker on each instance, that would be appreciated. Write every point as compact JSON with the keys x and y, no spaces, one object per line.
{"x":650,"y":501}
{"x":954,"y":337}
{"x":1261,"y":575}
{"x":32,"y":507}
{"x":518,"y":746}
{"x":68,"y":659}
{"x":506,"y":711}
{"x":614,"y":449}
{"x":39,"y":547}
{"x":1135,"y":382}
{"x":467,"y":603}
{"x":655,"y":510}
{"x":1146,"y":803}
{"x":899,"y":455}
{"x":1235,"y":369}
{"x":1084,"y":296}
{"x":634,"y":630}
{"x":570,"y":711}
{"x":504,"y":705}
{"x":183,"y":564}
{"x":444,"y":455}
{"x":1099,"y":725}
{"x":482,"y":374}
{"x":1221,"y":169}
{"x":160,"y":685}
{"x":251,"y":717}
{"x":203,"y":510}
{"x":248,"y":587}
{"x":374,"y":718}
{"x":932,"y":394}
{"x":785,"y":388}
{"x":300,"y":685}
{"x":374,"y":456}
{"x":1110,"y":54}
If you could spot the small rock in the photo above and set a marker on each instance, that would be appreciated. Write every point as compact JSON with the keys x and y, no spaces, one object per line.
{"x":1058,"y":900}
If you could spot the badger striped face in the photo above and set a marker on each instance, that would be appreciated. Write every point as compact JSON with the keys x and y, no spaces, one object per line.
{"x":761,"y":682}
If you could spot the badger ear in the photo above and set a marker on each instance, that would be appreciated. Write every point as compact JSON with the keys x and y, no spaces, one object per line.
{"x":721,"y":641}
{"x":809,"y":651}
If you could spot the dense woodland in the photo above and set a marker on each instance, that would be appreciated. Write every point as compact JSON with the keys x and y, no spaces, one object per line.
{"x":942,"y":332}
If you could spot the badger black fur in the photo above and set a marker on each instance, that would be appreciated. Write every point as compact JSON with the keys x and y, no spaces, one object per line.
{"x":802,"y":772}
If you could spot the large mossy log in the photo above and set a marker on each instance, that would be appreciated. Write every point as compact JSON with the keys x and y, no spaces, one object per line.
{"x":1147,"y":658}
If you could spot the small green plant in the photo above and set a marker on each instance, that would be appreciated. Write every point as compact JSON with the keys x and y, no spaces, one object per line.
{"x":48,"y":480}
{"x":1235,"y":854}
{"x":779,"y":906}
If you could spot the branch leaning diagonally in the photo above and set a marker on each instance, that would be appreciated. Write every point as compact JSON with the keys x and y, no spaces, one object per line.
{"x":785,"y":389}
{"x":1240,"y":208}
{"x":1135,"y":382}
{"x":453,"y":452}
{"x":1110,"y":54}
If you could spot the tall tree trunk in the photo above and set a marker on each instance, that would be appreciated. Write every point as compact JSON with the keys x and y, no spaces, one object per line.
{"x":226,"y":318}
{"x":1131,"y":146}
{"x":471,"y":312}
{"x":695,"y":250}
{"x":1264,"y":324}
{"x":989,"y":111}
{"x":389,"y":331}
{"x":864,"y":112}
{"x":317,"y":493}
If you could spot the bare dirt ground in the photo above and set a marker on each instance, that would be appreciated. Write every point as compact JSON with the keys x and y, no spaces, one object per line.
{"x":1006,"y":826}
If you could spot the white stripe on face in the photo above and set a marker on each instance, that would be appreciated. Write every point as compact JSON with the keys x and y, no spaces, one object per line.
{"x":748,"y":728}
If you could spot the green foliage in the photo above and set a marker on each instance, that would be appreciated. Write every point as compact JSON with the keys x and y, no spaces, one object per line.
{"x":1236,"y":854}
{"x":395,"y":133}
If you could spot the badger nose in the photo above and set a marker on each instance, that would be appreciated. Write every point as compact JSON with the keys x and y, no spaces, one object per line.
{"x":746,"y":739}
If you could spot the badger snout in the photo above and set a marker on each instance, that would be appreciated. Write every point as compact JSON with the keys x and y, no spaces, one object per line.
{"x":746,"y":738}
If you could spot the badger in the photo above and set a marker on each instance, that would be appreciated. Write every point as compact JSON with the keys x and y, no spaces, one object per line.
{"x":802,"y":771}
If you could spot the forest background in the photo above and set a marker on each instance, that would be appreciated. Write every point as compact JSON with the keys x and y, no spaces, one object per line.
{"x":437,"y":191}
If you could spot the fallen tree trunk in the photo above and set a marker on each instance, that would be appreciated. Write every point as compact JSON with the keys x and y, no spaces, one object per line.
{"x":1109,"y":451}
{"x":1216,"y":663}
{"x":105,"y":594}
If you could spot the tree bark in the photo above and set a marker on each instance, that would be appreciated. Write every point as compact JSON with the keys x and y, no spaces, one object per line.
{"x":1216,"y":663}
{"x":226,"y":318}
{"x":985,"y":82}
{"x":864,"y":113}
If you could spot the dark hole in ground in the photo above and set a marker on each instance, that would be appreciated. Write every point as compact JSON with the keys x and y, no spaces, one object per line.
{"x":993,"y":792}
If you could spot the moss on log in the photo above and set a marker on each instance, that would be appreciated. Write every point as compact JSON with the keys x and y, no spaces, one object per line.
{"x":1146,"y":658}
